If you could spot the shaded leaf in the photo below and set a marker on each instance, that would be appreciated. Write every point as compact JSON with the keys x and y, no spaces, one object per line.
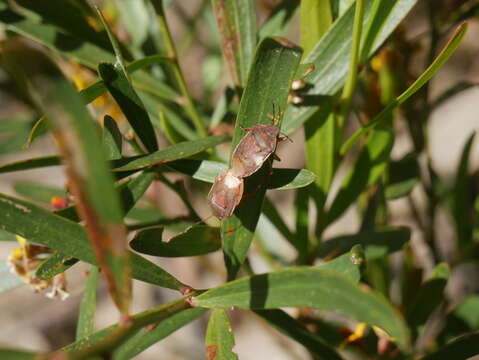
{"x":464,"y":347}
{"x":278,"y":20}
{"x":430,"y":295}
{"x":281,"y":289}
{"x":377,"y":244}
{"x":196,"y":240}
{"x":86,"y":315}
{"x":294,"y":329}
{"x":54,"y":265}
{"x":29,"y":164}
{"x":10,"y":354}
{"x":219,"y":340}
{"x":129,"y":102}
{"x":403,"y":176}
{"x":111,"y":139}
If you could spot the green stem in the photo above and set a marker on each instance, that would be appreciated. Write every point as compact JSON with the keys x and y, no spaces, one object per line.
{"x":350,"y":85}
{"x":177,"y":72}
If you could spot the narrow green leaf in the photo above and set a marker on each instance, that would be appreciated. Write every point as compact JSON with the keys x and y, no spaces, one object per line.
{"x":464,"y":347}
{"x":281,"y":289}
{"x":147,"y":337}
{"x":370,"y":165}
{"x":7,"y":279}
{"x":196,"y":240}
{"x":29,"y":164}
{"x":39,"y":192}
{"x":452,"y":91}
{"x":10,"y":354}
{"x":269,"y":210}
{"x":236,"y":23}
{"x":54,"y":265}
{"x":289,"y":179}
{"x":403,"y":176}
{"x":136,"y":19}
{"x":126,"y":97}
{"x":111,"y":139}
{"x":440,"y":60}
{"x":430,"y":295}
{"x":42,"y":227}
{"x":39,"y":128}
{"x":301,"y":237}
{"x":376,"y":244}
{"x":172,"y":153}
{"x":219,"y":340}
{"x":294,"y":329}
{"x":461,"y":199}
{"x":331,"y":56}
{"x":86,"y":315}
{"x":273,"y":68}
{"x":316,"y":19}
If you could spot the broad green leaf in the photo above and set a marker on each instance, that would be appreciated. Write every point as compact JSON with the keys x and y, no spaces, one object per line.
{"x":236,"y":23}
{"x":172,"y":153}
{"x":54,"y":265}
{"x":464,"y":347}
{"x":294,"y":329}
{"x":438,"y":62}
{"x":91,"y":181}
{"x":29,"y":164}
{"x":86,"y":315}
{"x":273,"y":68}
{"x":146,"y":337}
{"x":369,"y":167}
{"x":101,"y":341}
{"x":111,"y":138}
{"x":7,"y":279}
{"x":331,"y":56}
{"x":281,"y":289}
{"x":219,"y":340}
{"x":430,"y":295}
{"x":10,"y":354}
{"x":376,"y":244}
{"x":346,"y":265}
{"x":281,"y":179}
{"x":42,"y":227}
{"x":196,"y":240}
{"x":129,"y":102}
{"x":403,"y":176}
{"x":38,"y":192}
{"x":461,"y":198}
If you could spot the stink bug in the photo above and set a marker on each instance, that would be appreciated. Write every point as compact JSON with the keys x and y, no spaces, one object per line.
{"x":225,"y":194}
{"x":254,"y":149}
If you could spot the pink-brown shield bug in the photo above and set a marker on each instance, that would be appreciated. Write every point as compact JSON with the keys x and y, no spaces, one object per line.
{"x":225,"y":194}
{"x":254,"y":149}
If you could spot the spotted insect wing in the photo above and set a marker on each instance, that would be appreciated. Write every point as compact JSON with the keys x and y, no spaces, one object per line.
{"x":225,"y":194}
{"x":254,"y":149}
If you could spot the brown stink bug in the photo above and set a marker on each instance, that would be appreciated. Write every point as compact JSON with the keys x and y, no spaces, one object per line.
{"x":225,"y":194}
{"x":254,"y":149}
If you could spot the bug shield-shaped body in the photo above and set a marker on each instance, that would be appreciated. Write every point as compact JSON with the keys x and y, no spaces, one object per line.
{"x":225,"y":194}
{"x":254,"y":149}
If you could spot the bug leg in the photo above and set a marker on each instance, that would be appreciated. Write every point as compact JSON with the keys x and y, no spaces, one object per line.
{"x":245,"y":129}
{"x":284,"y":138}
{"x":276,"y":157}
